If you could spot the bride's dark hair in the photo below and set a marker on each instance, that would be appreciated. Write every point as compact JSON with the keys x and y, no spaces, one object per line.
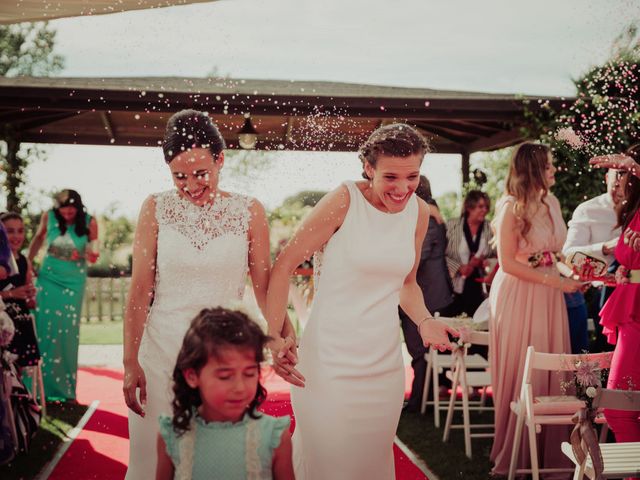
{"x":395,"y":140}
{"x":189,"y":129}
{"x":211,"y":331}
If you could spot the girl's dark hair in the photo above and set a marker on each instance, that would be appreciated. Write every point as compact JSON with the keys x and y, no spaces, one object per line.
{"x":189,"y":129}
{"x":628,"y":207}
{"x":71,"y":198}
{"x":395,"y":140}
{"x":212,"y":330}
{"x":471,"y":200}
{"x":6,"y":216}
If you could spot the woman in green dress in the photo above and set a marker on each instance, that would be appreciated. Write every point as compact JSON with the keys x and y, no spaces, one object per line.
{"x":70,"y":235}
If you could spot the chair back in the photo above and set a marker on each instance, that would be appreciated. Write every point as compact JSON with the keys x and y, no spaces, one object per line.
{"x":561,"y":361}
{"x":617,"y":399}
{"x":479,"y":338}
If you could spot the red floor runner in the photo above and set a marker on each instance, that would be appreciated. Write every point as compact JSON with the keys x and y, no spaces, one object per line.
{"x":101,"y":450}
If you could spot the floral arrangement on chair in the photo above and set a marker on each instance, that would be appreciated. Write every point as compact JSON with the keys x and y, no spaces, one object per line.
{"x":7,"y":328}
{"x":587,"y":380}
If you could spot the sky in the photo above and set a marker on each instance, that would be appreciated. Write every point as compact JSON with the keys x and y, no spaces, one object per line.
{"x":506,"y":46}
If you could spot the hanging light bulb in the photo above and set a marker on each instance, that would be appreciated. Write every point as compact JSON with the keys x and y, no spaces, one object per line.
{"x":247,"y":135}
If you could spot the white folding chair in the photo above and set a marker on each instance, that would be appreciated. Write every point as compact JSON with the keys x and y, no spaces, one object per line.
{"x":618,"y":459}
{"x":460,"y":376}
{"x":436,"y":364}
{"x":546,"y":410}
{"x":37,"y":385}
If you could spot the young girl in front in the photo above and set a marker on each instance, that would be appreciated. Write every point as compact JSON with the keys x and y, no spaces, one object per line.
{"x":216,"y":431}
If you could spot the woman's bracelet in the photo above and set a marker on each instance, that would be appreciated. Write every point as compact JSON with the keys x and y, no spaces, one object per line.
{"x":424,"y":320}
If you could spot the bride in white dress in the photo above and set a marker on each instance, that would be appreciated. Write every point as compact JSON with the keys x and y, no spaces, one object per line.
{"x":370,"y":235}
{"x":193,"y":247}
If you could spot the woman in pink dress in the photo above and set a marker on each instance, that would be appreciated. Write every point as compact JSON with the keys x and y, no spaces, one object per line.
{"x":621,"y":314}
{"x":527,"y":305}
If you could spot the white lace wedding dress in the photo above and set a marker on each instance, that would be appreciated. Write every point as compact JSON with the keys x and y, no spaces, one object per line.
{"x":202,"y":259}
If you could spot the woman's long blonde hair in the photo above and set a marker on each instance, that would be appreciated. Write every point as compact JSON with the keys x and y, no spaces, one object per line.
{"x":526,"y":181}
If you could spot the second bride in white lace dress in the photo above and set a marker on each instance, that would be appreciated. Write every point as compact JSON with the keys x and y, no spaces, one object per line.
{"x":193,"y":247}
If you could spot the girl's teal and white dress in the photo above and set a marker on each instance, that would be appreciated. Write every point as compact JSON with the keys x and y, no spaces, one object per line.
{"x":224,"y":450}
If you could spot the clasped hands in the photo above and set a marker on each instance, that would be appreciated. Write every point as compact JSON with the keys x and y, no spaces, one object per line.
{"x":284,"y":357}
{"x":474,"y":262}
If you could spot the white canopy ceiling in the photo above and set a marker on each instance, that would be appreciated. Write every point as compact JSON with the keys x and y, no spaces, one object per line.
{"x":15,"y":11}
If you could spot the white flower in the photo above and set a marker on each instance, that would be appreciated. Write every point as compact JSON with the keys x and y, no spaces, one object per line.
{"x":591,"y":392}
{"x":7,"y":329}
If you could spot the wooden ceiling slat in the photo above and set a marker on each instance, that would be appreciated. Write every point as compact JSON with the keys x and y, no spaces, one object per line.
{"x":289,"y":115}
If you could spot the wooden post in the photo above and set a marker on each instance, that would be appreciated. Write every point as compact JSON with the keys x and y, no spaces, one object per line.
{"x":111,"y":315}
{"x":465,"y":167}
{"x":99,"y":298}
{"x":123,"y":299}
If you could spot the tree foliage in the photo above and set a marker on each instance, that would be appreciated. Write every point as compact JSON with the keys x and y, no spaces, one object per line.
{"x":604,"y":118}
{"x":25,"y":49}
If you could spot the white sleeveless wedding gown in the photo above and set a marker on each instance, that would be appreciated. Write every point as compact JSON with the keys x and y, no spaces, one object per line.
{"x":202,"y":261}
{"x":348,"y":412}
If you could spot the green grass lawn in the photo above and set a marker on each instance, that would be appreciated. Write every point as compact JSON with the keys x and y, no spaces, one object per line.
{"x":447,"y":460}
{"x":104,"y":332}
{"x":62,"y":417}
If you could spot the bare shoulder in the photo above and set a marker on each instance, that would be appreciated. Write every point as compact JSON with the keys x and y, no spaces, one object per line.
{"x":336,"y":201}
{"x":256,"y":208}
{"x":148,"y":211}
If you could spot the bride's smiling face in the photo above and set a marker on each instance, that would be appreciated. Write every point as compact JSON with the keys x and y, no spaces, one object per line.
{"x":196,"y":173}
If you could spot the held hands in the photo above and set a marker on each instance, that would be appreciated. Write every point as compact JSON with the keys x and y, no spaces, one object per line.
{"x":25,"y":292}
{"x":434,"y":334}
{"x":284,"y":357}
{"x":133,"y":379}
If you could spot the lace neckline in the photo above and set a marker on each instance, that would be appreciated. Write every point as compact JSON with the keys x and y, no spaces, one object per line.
{"x":227,"y":215}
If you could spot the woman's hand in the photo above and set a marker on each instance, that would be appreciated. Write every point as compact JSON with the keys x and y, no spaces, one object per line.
{"x":618,"y":161}
{"x":91,"y":256}
{"x":632,"y":238}
{"x":465,"y":270}
{"x":283,"y":354}
{"x":434,"y":334}
{"x":569,"y":285}
{"x":133,"y":379}
{"x":25,"y":292}
{"x":622,"y":275}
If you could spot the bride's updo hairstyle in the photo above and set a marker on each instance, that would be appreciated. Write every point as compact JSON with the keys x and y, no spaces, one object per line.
{"x":527,"y":181}
{"x":395,"y":140}
{"x":189,"y":129}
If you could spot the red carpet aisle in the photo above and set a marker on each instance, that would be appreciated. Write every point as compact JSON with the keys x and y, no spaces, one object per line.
{"x":101,"y":450}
